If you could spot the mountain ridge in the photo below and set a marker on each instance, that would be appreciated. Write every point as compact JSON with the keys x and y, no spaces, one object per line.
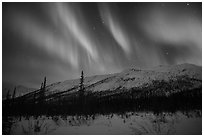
{"x":20,"y":89}
{"x":130,"y":78}
{"x":170,"y":88}
{"x":127,"y":79}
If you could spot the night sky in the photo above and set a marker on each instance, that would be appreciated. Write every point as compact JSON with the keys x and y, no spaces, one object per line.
{"x":58,"y":40}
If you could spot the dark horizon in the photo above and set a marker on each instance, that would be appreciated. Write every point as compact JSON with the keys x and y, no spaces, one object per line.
{"x":58,"y":40}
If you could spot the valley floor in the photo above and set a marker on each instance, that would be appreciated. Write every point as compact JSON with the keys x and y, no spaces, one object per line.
{"x":117,"y":124}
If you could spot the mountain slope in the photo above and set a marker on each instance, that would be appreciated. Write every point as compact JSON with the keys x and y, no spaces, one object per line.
{"x":20,"y":90}
{"x":131,"y":78}
{"x":163,"y":88}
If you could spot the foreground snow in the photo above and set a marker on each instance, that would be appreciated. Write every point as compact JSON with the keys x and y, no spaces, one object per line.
{"x":129,"y":123}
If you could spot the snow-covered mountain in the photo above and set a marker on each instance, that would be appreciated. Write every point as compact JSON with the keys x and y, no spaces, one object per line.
{"x":20,"y":90}
{"x":177,"y":87}
{"x":133,"y":78}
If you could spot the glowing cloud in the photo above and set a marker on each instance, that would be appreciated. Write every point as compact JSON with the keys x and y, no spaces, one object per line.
{"x":179,"y":29}
{"x":176,"y":27}
{"x":112,"y":24}
{"x":96,"y":38}
{"x":46,"y":39}
{"x":65,"y":43}
{"x":173,"y":28}
{"x":68,"y":18}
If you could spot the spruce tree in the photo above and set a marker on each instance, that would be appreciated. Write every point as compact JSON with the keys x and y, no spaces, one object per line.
{"x":82,"y":99}
{"x":34,"y":97}
{"x":42,"y":92}
{"x":44,"y":85}
{"x":8,"y":95}
{"x":13,"y":96}
{"x":41,"y":86}
{"x":14,"y":93}
{"x":8,"y":98}
{"x":81,"y":86}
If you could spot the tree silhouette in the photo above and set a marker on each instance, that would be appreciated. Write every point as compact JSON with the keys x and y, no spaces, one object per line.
{"x":8,"y":95}
{"x":41,"y":86}
{"x":81,"y":86}
{"x":14,"y":93}
{"x":42,"y":92}
{"x":13,"y":96}
{"x":81,"y":99}
{"x":44,"y":84}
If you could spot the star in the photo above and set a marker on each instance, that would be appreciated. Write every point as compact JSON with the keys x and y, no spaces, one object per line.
{"x":167,"y":53}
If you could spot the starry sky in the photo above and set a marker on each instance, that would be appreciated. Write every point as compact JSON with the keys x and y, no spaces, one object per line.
{"x":58,"y":40}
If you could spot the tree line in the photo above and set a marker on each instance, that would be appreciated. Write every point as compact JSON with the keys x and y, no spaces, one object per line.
{"x":159,"y":96}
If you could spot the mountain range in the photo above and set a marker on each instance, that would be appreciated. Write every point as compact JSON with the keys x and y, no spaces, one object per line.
{"x":162,"y":88}
{"x":174,"y":79}
{"x":20,"y":89}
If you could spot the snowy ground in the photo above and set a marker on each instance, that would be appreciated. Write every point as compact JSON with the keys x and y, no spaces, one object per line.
{"x":129,"y":123}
